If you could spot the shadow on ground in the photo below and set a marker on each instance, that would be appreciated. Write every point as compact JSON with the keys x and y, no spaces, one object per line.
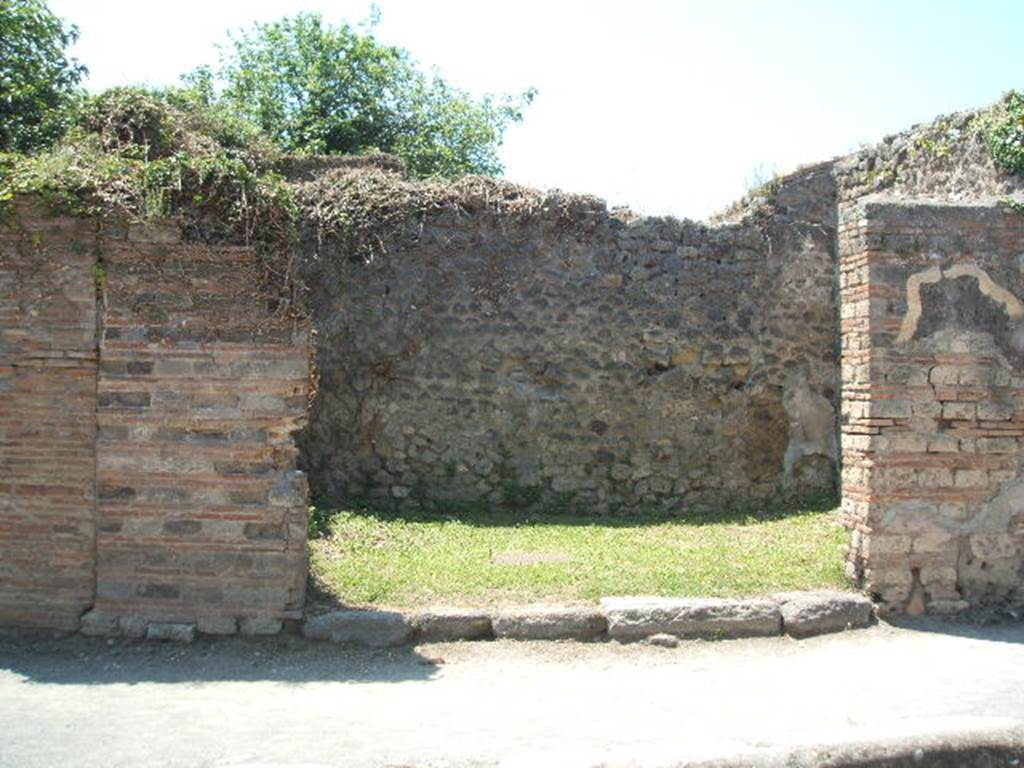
{"x":288,"y":659}
{"x":994,"y":628}
{"x":485,"y":516}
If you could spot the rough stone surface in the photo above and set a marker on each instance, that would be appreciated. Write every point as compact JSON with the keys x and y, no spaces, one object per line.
{"x":545,"y":622}
{"x":173,"y":632}
{"x":445,"y":624}
{"x":805,"y":614}
{"x":581,"y":360}
{"x":373,"y":629}
{"x":638,"y":618}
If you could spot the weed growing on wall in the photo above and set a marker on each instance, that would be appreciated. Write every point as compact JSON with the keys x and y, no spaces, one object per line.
{"x":1004,"y":133}
{"x":143,"y":155}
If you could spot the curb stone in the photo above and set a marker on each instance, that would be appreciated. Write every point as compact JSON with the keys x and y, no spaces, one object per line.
{"x":439,"y":625}
{"x":805,"y":614}
{"x":374,"y":629}
{"x":543,"y":622}
{"x":637,"y":618}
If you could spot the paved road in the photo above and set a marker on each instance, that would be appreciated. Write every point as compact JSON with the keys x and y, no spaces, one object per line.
{"x":287,"y":702}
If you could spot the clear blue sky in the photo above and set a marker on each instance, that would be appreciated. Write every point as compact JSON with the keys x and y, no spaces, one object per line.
{"x":669,"y":107}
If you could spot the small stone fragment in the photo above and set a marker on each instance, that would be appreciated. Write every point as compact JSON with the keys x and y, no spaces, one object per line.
{"x":663,"y":640}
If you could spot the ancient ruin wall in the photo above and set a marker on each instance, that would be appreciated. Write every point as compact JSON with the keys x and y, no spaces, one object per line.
{"x":573,"y":359}
{"x":149,"y":393}
{"x":47,"y":420}
{"x":933,"y":403}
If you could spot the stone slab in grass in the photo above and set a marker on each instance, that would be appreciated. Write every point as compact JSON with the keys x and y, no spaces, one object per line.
{"x":549,"y":622}
{"x":439,"y":625}
{"x":637,"y":618}
{"x":373,"y":629}
{"x":805,"y":614}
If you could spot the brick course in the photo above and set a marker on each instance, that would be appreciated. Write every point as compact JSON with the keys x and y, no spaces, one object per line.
{"x":47,"y":419}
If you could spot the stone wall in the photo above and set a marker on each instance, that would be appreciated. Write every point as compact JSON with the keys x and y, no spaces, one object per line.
{"x":158,"y":487}
{"x":933,"y":402}
{"x":582,"y":360}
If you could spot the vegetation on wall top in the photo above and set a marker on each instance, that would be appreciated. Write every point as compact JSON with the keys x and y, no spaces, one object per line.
{"x":1004,"y":132}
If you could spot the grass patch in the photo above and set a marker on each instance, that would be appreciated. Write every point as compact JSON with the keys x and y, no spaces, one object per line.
{"x":402,"y":560}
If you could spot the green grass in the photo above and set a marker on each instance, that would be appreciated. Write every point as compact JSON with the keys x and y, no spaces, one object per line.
{"x":401,"y":561}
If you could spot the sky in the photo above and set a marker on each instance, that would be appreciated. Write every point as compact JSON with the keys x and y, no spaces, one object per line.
{"x":667,"y":107}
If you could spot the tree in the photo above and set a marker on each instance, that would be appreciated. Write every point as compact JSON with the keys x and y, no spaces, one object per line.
{"x":37,"y":79}
{"x":320,"y":89}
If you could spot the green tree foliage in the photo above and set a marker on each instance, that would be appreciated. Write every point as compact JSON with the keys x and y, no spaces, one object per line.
{"x":320,"y":89}
{"x":37,"y":79}
{"x":1004,"y":131}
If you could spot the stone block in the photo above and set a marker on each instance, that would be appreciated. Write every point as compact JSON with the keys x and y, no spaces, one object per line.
{"x":549,"y":622}
{"x":891,"y":409}
{"x":259,"y":625}
{"x":991,"y":410}
{"x":171,"y":632}
{"x":997,"y":445}
{"x":372,"y":629}
{"x":943,"y":444}
{"x":935,"y":477}
{"x":971,"y":478}
{"x":134,"y":626}
{"x":99,"y":624}
{"x":217,"y":625}
{"x":959,"y":411}
{"x":448,"y":624}
{"x":636,"y":618}
{"x":805,"y":614}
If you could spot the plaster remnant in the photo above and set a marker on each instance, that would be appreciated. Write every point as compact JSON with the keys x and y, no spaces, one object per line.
{"x":986,"y":285}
